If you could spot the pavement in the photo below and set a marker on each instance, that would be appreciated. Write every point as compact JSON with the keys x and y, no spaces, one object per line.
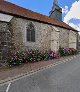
{"x":61,"y":75}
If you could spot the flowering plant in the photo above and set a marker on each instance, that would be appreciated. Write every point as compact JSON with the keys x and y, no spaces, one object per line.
{"x":56,"y":55}
{"x":30,"y":56}
{"x":17,"y":58}
{"x":67,"y":51}
{"x":34,"y":55}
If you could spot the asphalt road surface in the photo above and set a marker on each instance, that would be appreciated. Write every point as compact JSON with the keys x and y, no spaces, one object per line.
{"x":64,"y":77}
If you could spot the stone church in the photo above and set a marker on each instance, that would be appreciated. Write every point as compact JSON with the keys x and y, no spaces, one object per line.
{"x":22,"y":29}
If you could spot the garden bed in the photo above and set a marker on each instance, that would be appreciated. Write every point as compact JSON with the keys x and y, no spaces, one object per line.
{"x":32,"y":56}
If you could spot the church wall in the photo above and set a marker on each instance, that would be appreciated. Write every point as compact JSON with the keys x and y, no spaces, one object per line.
{"x":17,"y":38}
{"x":54,"y":39}
{"x":5,"y":41}
{"x":72,"y":39}
{"x":67,"y":38}
{"x":78,"y":42}
{"x":63,"y":37}
{"x":42,"y":34}
{"x":46,"y":36}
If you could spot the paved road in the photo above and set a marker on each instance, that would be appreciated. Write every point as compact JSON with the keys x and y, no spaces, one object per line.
{"x":61,"y":78}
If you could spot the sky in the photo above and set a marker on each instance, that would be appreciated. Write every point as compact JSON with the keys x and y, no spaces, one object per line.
{"x":70,"y":9}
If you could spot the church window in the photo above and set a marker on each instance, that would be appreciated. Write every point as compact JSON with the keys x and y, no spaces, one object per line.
{"x":31,"y":33}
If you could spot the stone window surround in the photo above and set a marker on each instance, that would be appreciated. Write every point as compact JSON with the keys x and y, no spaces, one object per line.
{"x":30,"y":32}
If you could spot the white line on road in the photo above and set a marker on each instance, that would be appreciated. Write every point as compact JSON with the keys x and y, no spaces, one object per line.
{"x":8,"y":87}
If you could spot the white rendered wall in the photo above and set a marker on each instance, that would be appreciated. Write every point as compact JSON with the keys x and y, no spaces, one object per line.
{"x":5,"y":17}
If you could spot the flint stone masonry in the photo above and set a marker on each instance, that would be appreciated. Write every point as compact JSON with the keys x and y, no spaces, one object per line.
{"x":5,"y":40}
{"x":46,"y":36}
{"x":42,"y":35}
{"x":67,"y":38}
{"x":54,"y":39}
{"x":63,"y":37}
{"x":78,"y":42}
{"x":72,"y":39}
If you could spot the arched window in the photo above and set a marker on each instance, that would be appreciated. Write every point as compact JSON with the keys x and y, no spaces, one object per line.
{"x":31,"y":33}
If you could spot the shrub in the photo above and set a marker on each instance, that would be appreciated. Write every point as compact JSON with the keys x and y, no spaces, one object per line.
{"x":29,"y":56}
{"x":56,"y":55}
{"x":35,"y":55}
{"x":61,"y":51}
{"x":67,"y":51}
{"x":17,"y":58}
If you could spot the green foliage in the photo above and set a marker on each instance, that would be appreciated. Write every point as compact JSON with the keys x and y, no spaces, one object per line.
{"x":34,"y":55}
{"x":29,"y":56}
{"x":61,"y":52}
{"x":67,"y":51}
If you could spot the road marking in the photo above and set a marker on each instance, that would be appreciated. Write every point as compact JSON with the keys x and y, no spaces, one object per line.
{"x":66,"y":60}
{"x":70,"y":59}
{"x":8,"y":87}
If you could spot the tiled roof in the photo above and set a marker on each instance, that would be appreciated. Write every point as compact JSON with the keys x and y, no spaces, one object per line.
{"x":12,"y":9}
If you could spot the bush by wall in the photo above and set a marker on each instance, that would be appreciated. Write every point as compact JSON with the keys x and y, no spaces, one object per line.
{"x":67,"y":51}
{"x":31,"y":56}
{"x":35,"y":55}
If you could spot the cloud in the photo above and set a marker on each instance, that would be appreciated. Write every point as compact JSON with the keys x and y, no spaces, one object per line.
{"x":74,"y":12}
{"x":72,"y":15}
{"x":65,"y":10}
{"x":75,"y":26}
